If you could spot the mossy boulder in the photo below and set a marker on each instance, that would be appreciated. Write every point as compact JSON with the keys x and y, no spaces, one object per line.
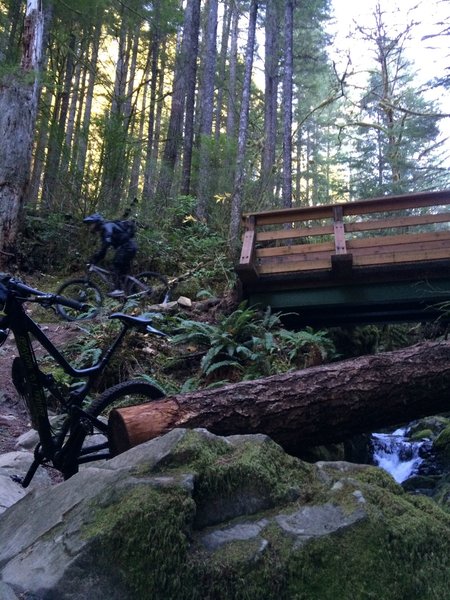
{"x":194,"y":516}
{"x":442,"y":442}
{"x":422,"y":434}
{"x":428,"y":427}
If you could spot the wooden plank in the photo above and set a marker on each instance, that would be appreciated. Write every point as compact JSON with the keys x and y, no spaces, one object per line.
{"x":359,"y":207}
{"x":291,"y":267}
{"x":399,"y":248}
{"x":358,"y":261}
{"x":295,"y":232}
{"x":395,"y":203}
{"x":296,"y":249}
{"x":297,"y":258}
{"x":399,"y":257}
{"x":248,"y":248}
{"x":408,"y":238}
{"x":339,"y":233}
{"x":378,"y":224}
{"x":373,"y":243}
{"x":409,"y":221}
{"x":291,"y":215}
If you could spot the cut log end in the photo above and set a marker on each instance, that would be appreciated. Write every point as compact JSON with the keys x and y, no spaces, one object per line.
{"x":134,"y":425}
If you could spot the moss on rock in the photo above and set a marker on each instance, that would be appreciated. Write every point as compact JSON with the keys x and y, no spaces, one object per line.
{"x":153,"y":534}
{"x":443,"y":440}
{"x":145,"y":537}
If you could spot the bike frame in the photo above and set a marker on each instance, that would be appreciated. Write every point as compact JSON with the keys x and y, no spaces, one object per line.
{"x":107,"y":277}
{"x":104,"y":274}
{"x":58,"y":449}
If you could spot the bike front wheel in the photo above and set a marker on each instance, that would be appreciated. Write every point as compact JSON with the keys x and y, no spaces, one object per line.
{"x":149,"y":288}
{"x":84,"y":445}
{"x":83,"y":291}
{"x":128,"y":393}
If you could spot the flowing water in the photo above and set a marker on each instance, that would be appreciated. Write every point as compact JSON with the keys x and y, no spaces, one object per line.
{"x":397,"y":454}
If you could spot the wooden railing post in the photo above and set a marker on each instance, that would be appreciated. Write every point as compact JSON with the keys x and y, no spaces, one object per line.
{"x":246,"y":264}
{"x":339,"y":231}
{"x":341,"y":261}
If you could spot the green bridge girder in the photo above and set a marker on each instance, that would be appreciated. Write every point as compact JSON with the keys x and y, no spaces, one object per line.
{"x":387,"y":302}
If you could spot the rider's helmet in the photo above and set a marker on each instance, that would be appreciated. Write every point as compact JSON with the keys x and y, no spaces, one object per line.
{"x":96,"y":218}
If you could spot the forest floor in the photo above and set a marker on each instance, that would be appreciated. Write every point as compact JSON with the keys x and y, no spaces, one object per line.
{"x":13,"y":413}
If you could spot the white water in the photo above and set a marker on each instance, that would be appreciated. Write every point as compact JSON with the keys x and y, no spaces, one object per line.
{"x":397,"y":454}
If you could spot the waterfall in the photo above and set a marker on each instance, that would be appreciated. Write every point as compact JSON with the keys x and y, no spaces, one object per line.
{"x":397,"y":454}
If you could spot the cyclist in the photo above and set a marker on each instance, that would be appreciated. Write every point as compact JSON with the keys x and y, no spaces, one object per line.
{"x":118,"y":235}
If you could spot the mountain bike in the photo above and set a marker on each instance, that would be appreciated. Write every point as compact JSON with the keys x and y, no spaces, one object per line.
{"x":71,"y":442}
{"x":146,"y":288}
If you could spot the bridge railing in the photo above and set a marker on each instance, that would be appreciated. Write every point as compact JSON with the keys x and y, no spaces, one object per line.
{"x":338,"y":237}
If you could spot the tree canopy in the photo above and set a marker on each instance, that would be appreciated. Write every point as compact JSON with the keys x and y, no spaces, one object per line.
{"x":209,"y":108}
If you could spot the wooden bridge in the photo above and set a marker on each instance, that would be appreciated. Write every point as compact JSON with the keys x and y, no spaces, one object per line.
{"x":380,"y":260}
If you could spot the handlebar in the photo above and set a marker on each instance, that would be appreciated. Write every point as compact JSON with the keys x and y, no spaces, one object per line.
{"x":18,"y":287}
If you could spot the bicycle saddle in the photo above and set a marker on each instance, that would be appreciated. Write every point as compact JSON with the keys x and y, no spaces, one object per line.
{"x":131,"y":321}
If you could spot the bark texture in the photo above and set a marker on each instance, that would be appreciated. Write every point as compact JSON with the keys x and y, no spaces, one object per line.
{"x":18,"y":108}
{"x":315,"y":406}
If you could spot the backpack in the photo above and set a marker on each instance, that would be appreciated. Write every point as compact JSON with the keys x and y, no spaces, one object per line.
{"x":122,"y":232}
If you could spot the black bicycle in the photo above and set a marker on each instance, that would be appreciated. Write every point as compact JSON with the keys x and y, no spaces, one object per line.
{"x":70,"y":443}
{"x":146,"y":288}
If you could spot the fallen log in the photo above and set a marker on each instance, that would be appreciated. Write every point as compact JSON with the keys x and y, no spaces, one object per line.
{"x":300,"y":409}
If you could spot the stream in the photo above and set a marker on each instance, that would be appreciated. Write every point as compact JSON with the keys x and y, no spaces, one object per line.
{"x":400,"y":456}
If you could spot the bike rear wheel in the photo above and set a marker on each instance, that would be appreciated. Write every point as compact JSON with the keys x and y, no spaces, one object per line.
{"x":81,"y":290}
{"x":152,"y":288}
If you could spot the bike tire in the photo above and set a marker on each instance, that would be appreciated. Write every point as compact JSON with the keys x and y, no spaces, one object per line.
{"x":83,"y":291}
{"x":155,"y":289}
{"x":123,"y":394}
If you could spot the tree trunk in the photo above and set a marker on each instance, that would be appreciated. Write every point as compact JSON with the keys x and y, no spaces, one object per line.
{"x":188,"y":142}
{"x":232,"y":77}
{"x":206,"y":101}
{"x":238,"y":188}
{"x":271,"y":63}
{"x":85,"y":124}
{"x":18,"y":108}
{"x":115,"y":135}
{"x":173,"y":144}
{"x":315,"y":406}
{"x":221,"y":67}
{"x":287,"y":103}
{"x":58,"y":129}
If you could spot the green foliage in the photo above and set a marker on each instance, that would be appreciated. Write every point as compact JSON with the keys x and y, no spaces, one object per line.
{"x":51,"y":244}
{"x":238,"y":340}
{"x":307,"y":347}
{"x":248,"y":344}
{"x":186,"y":247}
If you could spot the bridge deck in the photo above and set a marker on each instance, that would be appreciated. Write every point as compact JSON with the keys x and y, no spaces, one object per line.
{"x":386,"y":259}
